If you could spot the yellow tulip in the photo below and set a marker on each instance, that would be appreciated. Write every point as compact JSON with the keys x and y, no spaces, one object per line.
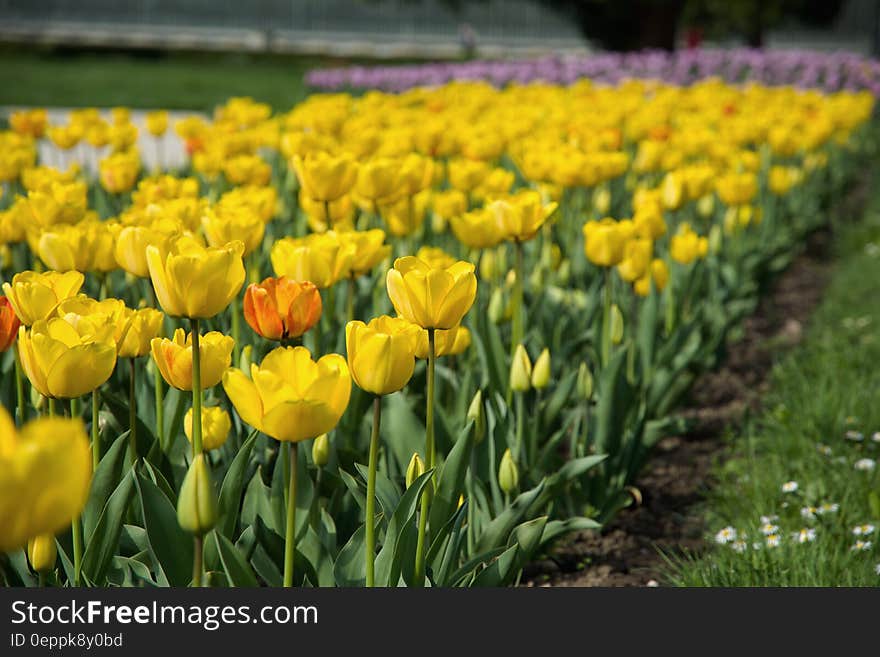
{"x":140,"y":328}
{"x":477,"y":229}
{"x":320,"y":258}
{"x":416,"y":174}
{"x":66,"y":360}
{"x":130,"y":250}
{"x":118,"y":172}
{"x":42,"y":552}
{"x":173,"y":357}
{"x":224,"y":226}
{"x":604,"y":241}
{"x":59,"y":203}
{"x":432,"y":298}
{"x":45,"y":475}
{"x":215,"y":426}
{"x":378,"y":180}
{"x":686,"y":246}
{"x":194,"y":281}
{"x":35,"y":296}
{"x":86,"y":246}
{"x":404,"y":216}
{"x":636,"y":259}
{"x":448,"y":204}
{"x":450,"y":342}
{"x":381,"y":354}
{"x":465,"y":175}
{"x":435,"y":257}
{"x":247,"y":169}
{"x":325,"y":177}
{"x":289,"y":396}
{"x":157,"y":122}
{"x":658,"y":273}
{"x":520,"y":217}
{"x":369,"y":249}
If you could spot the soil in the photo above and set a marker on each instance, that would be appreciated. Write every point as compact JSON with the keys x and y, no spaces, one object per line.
{"x":629,"y":551}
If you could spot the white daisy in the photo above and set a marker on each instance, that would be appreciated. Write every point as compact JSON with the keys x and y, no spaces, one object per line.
{"x":875,"y":437}
{"x":828,"y":508}
{"x":823,"y":449}
{"x":806,"y":535}
{"x":773,"y":540}
{"x":808,"y":513}
{"x":865,"y":465}
{"x":726,"y":535}
{"x":863,"y":530}
{"x":769,"y":529}
{"x":855,"y":436}
{"x":739,"y":546}
{"x":789,"y":487}
{"x":861,"y":546}
{"x":769,"y":519}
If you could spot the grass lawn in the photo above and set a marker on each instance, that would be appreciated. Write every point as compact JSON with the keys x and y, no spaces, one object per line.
{"x":194,"y":81}
{"x":808,"y":464}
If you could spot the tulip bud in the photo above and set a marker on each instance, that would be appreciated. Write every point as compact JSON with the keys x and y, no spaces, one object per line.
{"x":477,"y":413}
{"x":415,"y":469}
{"x":197,"y":503}
{"x":716,"y":237}
{"x":438,"y":223}
{"x":536,"y":279}
{"x":215,"y":427}
{"x":521,"y":370}
{"x":508,"y":474}
{"x":510,"y":279}
{"x":616,"y":324}
{"x":42,"y":552}
{"x":488,"y":268}
{"x":460,"y":501}
{"x":321,"y":450}
{"x":706,"y":206}
{"x":497,"y":306}
{"x":541,"y":371}
{"x":585,"y":381}
{"x":245,"y":359}
{"x":563,"y":274}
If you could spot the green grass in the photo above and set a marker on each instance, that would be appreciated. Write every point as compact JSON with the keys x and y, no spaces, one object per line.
{"x":193,"y":81}
{"x":828,"y":386}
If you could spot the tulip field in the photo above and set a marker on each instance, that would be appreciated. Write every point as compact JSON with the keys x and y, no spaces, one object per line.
{"x":379,"y":339}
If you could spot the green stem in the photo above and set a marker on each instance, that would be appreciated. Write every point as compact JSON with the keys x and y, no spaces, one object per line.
{"x":96,"y":437}
{"x":196,"y":390}
{"x":235,"y":309}
{"x":75,"y":526}
{"x":198,"y":549}
{"x":524,"y":457}
{"x":51,"y":406}
{"x":19,"y":388}
{"x":370,"y":542}
{"x":132,"y":413}
{"x":290,"y":533}
{"x":160,"y":407}
{"x":352,"y":291}
{"x":606,"y":317}
{"x":419,"y":573}
{"x":517,"y":331}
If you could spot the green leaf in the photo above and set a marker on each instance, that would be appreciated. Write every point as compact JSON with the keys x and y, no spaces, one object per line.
{"x":350,"y":567}
{"x":497,"y":572}
{"x":387,"y":492}
{"x":402,"y":431}
{"x":388,"y":561}
{"x":237,"y":570}
{"x":451,"y":481}
{"x":233,"y":485}
{"x":104,"y":538}
{"x":105,"y":480}
{"x":170,"y":546}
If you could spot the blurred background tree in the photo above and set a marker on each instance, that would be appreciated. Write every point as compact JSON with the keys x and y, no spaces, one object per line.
{"x":638,"y":24}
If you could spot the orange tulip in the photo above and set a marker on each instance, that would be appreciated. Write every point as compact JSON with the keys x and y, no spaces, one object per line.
{"x":9,"y":324}
{"x":280,"y":308}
